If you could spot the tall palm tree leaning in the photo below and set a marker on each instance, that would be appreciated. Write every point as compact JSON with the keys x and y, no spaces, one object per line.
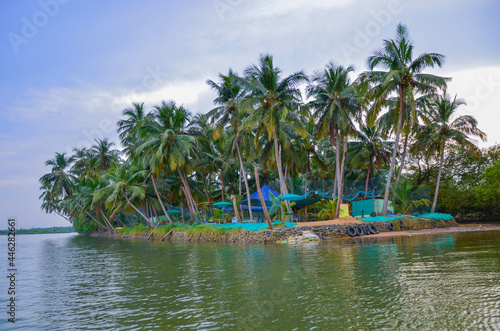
{"x":335,"y":104}
{"x":124,"y":182}
{"x":272,"y":102}
{"x":230,"y":94}
{"x":167,"y":147}
{"x":442,"y":129}
{"x":403,"y":76}
{"x":59,"y":180}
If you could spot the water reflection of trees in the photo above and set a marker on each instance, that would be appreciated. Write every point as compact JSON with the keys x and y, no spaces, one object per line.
{"x":391,"y":282}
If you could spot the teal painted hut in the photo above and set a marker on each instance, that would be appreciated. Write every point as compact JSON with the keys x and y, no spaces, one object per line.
{"x":366,"y":207}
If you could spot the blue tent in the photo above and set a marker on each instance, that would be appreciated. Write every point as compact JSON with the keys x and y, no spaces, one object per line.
{"x":267,"y":193}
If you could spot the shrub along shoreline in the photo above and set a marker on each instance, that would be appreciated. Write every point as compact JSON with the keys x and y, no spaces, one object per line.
{"x":210,"y":234}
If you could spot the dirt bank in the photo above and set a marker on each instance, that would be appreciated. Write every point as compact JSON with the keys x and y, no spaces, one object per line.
{"x":460,"y":228}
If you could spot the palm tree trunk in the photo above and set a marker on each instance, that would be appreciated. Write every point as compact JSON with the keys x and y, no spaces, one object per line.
{"x":405,"y":147}
{"x":90,"y":215}
{"x":222,"y":183}
{"x":308,"y":170}
{"x":188,"y":188}
{"x":341,"y":180}
{"x":156,"y":215}
{"x":160,"y":201}
{"x":368,"y":174}
{"x":189,"y":196}
{"x":283,"y":187}
{"x":285,"y":190}
{"x":243,"y":173}
{"x":188,"y":201}
{"x":334,"y":189}
{"x":239,"y":182}
{"x":441,"y":161}
{"x":337,"y":164}
{"x":137,"y":210}
{"x":394,"y":153}
{"x":182,"y":208}
{"x":333,"y":143}
{"x":67,"y":219}
{"x":107,"y":221}
{"x":235,"y":206}
{"x":207,"y":194}
{"x":261,"y":197}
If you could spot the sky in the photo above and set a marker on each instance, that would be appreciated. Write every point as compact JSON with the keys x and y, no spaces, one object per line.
{"x":69,"y":67}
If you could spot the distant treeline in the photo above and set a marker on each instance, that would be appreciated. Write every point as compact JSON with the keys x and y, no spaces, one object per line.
{"x":57,"y":229}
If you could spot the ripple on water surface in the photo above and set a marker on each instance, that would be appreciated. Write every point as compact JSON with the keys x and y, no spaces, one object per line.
{"x":445,"y":281}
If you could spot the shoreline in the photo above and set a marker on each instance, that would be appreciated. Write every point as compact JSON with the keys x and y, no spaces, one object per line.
{"x":304,"y":233}
{"x":451,"y":229}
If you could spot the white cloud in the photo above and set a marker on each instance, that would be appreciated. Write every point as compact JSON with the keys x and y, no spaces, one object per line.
{"x":480,"y":88}
{"x":182,"y":92}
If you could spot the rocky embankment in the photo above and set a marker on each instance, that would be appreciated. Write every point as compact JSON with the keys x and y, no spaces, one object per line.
{"x":284,"y":235}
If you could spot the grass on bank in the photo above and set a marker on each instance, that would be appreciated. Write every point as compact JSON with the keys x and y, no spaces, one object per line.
{"x":190,"y":231}
{"x":417,"y":223}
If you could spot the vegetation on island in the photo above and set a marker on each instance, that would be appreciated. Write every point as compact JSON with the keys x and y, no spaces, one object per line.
{"x":56,"y":229}
{"x":395,"y":121}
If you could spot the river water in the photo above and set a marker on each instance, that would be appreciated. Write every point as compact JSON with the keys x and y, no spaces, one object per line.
{"x":432,"y":282}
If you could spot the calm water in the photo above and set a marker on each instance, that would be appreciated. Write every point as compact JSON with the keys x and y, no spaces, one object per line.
{"x":432,"y":282}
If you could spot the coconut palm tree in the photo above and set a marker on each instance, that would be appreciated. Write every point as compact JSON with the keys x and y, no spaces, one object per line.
{"x":229,"y":95}
{"x":103,"y":155}
{"x":135,"y":117}
{"x":60,"y":180}
{"x":309,"y":152}
{"x":129,"y":127}
{"x":81,"y":202}
{"x":167,"y":147}
{"x":335,"y":105}
{"x":125,"y":182}
{"x":443,"y":130}
{"x":272,"y":102}
{"x":388,"y":122}
{"x":402,"y":76}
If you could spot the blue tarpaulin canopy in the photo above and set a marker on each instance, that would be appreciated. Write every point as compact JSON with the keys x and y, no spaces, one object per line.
{"x":267,"y":193}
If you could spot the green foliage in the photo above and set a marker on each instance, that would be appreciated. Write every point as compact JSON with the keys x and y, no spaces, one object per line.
{"x":328,"y":211}
{"x":403,"y":202}
{"x":417,"y":223}
{"x":468,"y":186}
{"x":136,"y":230}
{"x":208,"y":231}
{"x":487,"y":194}
{"x":60,"y":229}
{"x":84,"y":225}
{"x":217,"y":215}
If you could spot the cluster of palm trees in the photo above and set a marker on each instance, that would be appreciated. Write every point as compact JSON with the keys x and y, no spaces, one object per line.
{"x":171,"y":157}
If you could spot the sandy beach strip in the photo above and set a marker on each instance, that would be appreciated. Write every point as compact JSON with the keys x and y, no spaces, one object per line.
{"x":348,"y":220}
